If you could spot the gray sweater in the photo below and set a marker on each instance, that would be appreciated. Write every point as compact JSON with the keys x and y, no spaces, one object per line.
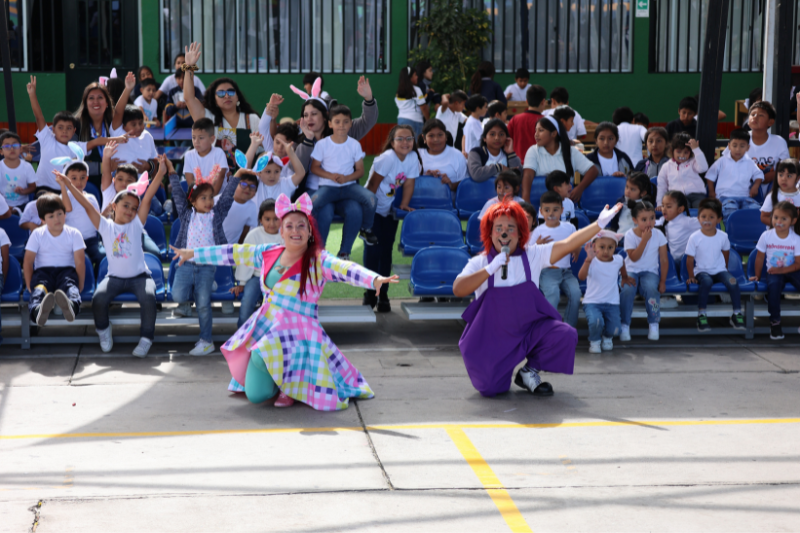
{"x":185,"y":210}
{"x":480,"y":171}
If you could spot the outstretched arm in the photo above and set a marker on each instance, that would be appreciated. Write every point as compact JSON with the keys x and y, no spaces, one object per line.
{"x":41,"y":123}
{"x":144,"y":207}
{"x":572,"y":243}
{"x":337,"y":270}
{"x":229,"y":254}
{"x":196,"y":108}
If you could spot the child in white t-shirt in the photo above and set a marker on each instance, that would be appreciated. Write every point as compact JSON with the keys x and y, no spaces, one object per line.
{"x":676,"y":224}
{"x":506,"y":184}
{"x":707,"y":258}
{"x":787,"y":176}
{"x":631,"y":136}
{"x":518,"y":91}
{"x":601,"y":271}
{"x":243,"y":215}
{"x":5,"y":246}
{"x":735,"y":178}
{"x":274,"y":176}
{"x":451,"y":113}
{"x":129,"y":120}
{"x":17,"y":177}
{"x":205,"y":156}
{"x":647,"y":265}
{"x":147,"y":101}
{"x":440,"y":159}
{"x":78,"y":173}
{"x":476,"y":106}
{"x":558,"y":182}
{"x":127,"y":270}
{"x":557,"y":278}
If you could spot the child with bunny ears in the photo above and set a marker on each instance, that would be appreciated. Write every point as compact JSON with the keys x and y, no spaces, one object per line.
{"x":270,"y":169}
{"x":127,"y":271}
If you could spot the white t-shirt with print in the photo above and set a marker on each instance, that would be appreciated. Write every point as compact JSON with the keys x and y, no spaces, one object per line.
{"x":472,"y":134}
{"x":78,"y":218}
{"x":631,"y":137}
{"x":409,"y":108}
{"x":578,"y":128}
{"x":608,"y":165}
{"x":285,"y":186}
{"x":123,"y":244}
{"x":538,"y":258}
{"x":707,"y":251}
{"x":559,"y":233}
{"x":602,"y":281}
{"x":150,"y":110}
{"x":337,"y":159}
{"x":649,"y":261}
{"x":50,"y":148}
{"x":794,"y":198}
{"x":779,"y":252}
{"x":11,"y":178}
{"x":451,"y":120}
{"x":390,"y":167}
{"x":55,"y":251}
{"x":142,"y":147}
{"x":239,"y":216}
{"x":450,"y":162}
{"x":192,"y":160}
{"x":4,"y":241}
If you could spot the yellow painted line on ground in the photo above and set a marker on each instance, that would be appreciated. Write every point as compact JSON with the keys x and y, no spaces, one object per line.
{"x":624,"y":423}
{"x":499,"y":495}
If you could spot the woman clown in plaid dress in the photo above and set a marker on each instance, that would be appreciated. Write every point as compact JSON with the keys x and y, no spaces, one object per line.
{"x":282,"y":349}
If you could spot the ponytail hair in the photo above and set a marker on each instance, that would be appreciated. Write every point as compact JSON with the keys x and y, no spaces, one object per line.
{"x":790,"y":165}
{"x":642,"y":207}
{"x":563,"y":139}
{"x":405,"y":89}
{"x":681,"y":200}
{"x":790,"y":209}
{"x":485,"y":70}
{"x":645,"y":186}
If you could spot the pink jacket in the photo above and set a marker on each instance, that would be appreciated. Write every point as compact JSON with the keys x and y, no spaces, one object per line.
{"x":684,"y":177}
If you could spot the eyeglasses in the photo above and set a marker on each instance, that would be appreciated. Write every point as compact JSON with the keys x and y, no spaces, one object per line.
{"x":229,"y":92}
{"x":15,"y":145}
{"x":404,"y":139}
{"x":245,"y":185}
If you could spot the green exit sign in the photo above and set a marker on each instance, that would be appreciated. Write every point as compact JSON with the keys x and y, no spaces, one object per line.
{"x":642,"y":8}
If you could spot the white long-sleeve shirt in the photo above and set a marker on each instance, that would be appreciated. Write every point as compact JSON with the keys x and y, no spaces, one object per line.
{"x":684,"y":177}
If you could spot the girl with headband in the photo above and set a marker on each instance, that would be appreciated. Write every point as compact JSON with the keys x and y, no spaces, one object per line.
{"x":282,"y":349}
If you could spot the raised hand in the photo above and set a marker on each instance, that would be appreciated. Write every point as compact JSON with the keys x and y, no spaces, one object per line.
{"x":130,"y":81}
{"x":589,"y":247}
{"x":192,"y":53}
{"x":110,"y":150}
{"x":163,"y":165}
{"x":364,"y":89}
{"x":693,"y":144}
{"x":31,"y":87}
{"x":607,"y":215}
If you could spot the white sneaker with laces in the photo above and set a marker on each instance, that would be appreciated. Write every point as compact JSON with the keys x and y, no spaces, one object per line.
{"x":202,"y":348}
{"x":594,"y":347}
{"x":653,"y":333}
{"x":530,"y":378}
{"x":142,"y":348}
{"x":624,"y":333}
{"x":608,"y":344}
{"x":106,"y":340}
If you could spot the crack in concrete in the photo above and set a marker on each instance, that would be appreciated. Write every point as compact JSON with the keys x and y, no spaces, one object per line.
{"x":372,"y":446}
{"x":37,"y":512}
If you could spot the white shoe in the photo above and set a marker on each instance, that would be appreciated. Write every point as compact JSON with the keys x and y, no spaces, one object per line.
{"x":227,"y":308}
{"x":64,"y":305}
{"x":653,"y":333}
{"x":594,"y":347}
{"x":106,"y":340}
{"x":530,"y":378}
{"x":624,"y":333}
{"x":669,"y":302}
{"x":183,"y":310}
{"x":202,"y":348}
{"x":608,"y":344}
{"x":143,"y":347}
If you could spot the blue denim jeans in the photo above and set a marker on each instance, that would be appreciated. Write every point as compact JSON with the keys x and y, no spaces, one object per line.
{"x":416,"y":126}
{"x":155,"y":207}
{"x":647,"y":286}
{"x":250,"y":297}
{"x":363,"y":216}
{"x":706,"y":280}
{"x":775,"y":285}
{"x":350,"y":211}
{"x":553,"y":282}
{"x":603,"y":320}
{"x":193,"y":281}
{"x":95,"y":251}
{"x":142,"y":287}
{"x":734,"y":203}
{"x":1,"y":318}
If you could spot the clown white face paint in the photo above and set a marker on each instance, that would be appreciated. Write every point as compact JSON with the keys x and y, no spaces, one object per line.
{"x":708,"y":221}
{"x":782,"y":222}
{"x":551,"y":214}
{"x":505,"y":233}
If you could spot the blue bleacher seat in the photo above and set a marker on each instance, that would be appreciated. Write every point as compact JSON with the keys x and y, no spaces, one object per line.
{"x":92,"y":189}
{"x":156,"y":272}
{"x":693,"y":212}
{"x":474,"y":234}
{"x":161,"y":195}
{"x":155,"y":229}
{"x":185,"y":186}
{"x":583,"y":220}
{"x":761,"y":284}
{"x":603,"y":191}
{"x":538,"y":188}
{"x":434,"y":270}
{"x":16,"y":235}
{"x":173,"y":231}
{"x":429,"y":193}
{"x":471,"y":196}
{"x":744,"y":228}
{"x":430,"y":227}
{"x":673,"y":282}
{"x":576,"y":268}
{"x":734,"y":267}
{"x":223,"y":278}
{"x":13,"y":284}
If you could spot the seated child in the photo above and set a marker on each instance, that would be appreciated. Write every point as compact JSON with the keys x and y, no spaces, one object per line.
{"x":476,"y":107}
{"x":657,"y":141}
{"x":558,"y":181}
{"x":451,"y":114}
{"x":630,"y":135}
{"x":495,"y":153}
{"x":201,"y":225}
{"x":243,"y":215}
{"x":637,"y":189}
{"x":734,"y":178}
{"x":205,"y":156}
{"x":707,"y":258}
{"x":516,"y":91}
{"x":507,"y":185}
{"x":29,"y":220}
{"x":602,"y":270}
{"x":676,"y":224}
{"x":779,"y":248}
{"x":609,"y":160}
{"x":127,"y":271}
{"x":787,"y":178}
{"x":17,"y":177}
{"x":496,"y":109}
{"x":531,"y":213}
{"x":766,"y":149}
{"x":559,"y":97}
{"x":147,"y":101}
{"x":249,"y":278}
{"x":566,"y":116}
{"x":439,"y":158}
{"x":54,"y":266}
{"x":176,"y":104}
{"x":647,"y":265}
{"x":78,"y":173}
{"x":682,"y":172}
{"x":338,"y":162}
{"x":5,"y":246}
{"x":271,"y":170}
{"x":557,"y":278}
{"x":686,"y":121}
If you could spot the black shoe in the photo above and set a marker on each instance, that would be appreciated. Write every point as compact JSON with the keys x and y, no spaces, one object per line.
{"x":370,"y":299}
{"x":383,"y":305}
{"x":368,"y":237}
{"x":45,"y":308}
{"x":775,"y":332}
{"x":737,"y":321}
{"x":542,"y":389}
{"x":702,"y":323}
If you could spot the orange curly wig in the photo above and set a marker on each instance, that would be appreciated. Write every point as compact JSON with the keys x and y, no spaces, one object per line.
{"x":510,"y":209}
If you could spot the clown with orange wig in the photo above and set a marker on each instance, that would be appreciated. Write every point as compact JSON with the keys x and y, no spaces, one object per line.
{"x":510,"y":320}
{"x":282,"y":350}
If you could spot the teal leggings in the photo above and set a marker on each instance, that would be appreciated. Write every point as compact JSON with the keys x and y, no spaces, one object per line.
{"x":259,"y":385}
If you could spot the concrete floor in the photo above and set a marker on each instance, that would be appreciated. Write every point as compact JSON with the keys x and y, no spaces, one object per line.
{"x":688,"y":434}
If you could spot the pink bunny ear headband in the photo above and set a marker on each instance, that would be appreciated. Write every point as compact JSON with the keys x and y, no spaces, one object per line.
{"x":284,"y":206}
{"x":104,"y":80}
{"x":316,"y":90}
{"x":199,"y":179}
{"x":606,"y":234}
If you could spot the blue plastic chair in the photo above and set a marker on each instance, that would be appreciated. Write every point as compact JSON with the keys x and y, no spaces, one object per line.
{"x":429,"y":193}
{"x":538,"y":188}
{"x":174,"y":230}
{"x":156,"y":272}
{"x":16,"y":235}
{"x":583,"y":220}
{"x":434,"y":270}
{"x":161,"y":195}
{"x":155,"y":229}
{"x":92,"y":189}
{"x":471,"y":196}
{"x":673,"y":283}
{"x":576,"y":268}
{"x":13,"y":284}
{"x":744,"y":228}
{"x":474,"y":241}
{"x":430,"y":227}
{"x":185,"y":186}
{"x":603,"y":191}
{"x":734,"y":267}
{"x":223,"y":277}
{"x":761,"y":284}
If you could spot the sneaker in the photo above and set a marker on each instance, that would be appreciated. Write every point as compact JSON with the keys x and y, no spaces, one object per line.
{"x":202,"y":348}
{"x":702,"y":323}
{"x":142,"y":348}
{"x":608,"y":344}
{"x":775,"y":332}
{"x":594,"y":347}
{"x":183,"y":310}
{"x":106,"y":340}
{"x":343,"y":256}
{"x":368,"y":237}
{"x":624,"y":333}
{"x":65,"y":305}
{"x":653,"y":333}
{"x":284,"y":400}
{"x":383,"y":305}
{"x":45,"y":308}
{"x":737,"y":321}
{"x":227,"y":308}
